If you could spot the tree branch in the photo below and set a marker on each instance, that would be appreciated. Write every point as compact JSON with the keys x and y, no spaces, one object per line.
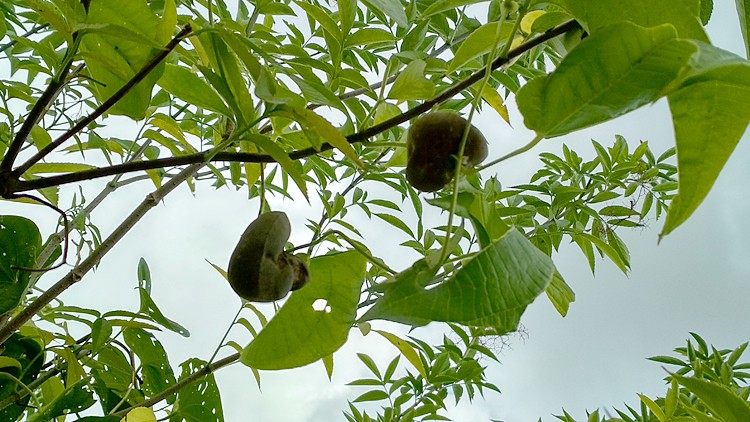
{"x":195,"y":376}
{"x":84,"y":267}
{"x":26,"y":185}
{"x":117,"y":96}
{"x":35,"y":115}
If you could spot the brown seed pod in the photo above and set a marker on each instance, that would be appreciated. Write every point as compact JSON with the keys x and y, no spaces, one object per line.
{"x":259,"y":269}
{"x":432,"y":146}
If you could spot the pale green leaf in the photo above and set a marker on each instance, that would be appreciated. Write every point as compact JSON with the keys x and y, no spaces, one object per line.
{"x":560,"y":294}
{"x":684,"y":15}
{"x":653,"y":407}
{"x":312,"y":121}
{"x":392,"y":8}
{"x":187,"y":86}
{"x":492,"y":289}
{"x":299,"y":334}
{"x":411,"y":83}
{"x":724,"y":403}
{"x":439,"y":6}
{"x":280,"y":156}
{"x":612,"y":72}
{"x":483,"y":40}
{"x":114,"y":57}
{"x":322,"y":17}
{"x":369,"y":36}
{"x":40,"y":168}
{"x":710,"y":115}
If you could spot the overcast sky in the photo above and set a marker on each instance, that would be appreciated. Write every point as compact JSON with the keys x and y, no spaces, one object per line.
{"x":695,"y":280}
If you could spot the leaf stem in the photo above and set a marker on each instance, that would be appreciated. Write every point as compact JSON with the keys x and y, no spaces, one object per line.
{"x":512,"y":154}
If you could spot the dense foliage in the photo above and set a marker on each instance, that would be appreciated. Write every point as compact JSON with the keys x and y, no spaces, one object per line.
{"x":308,"y":100}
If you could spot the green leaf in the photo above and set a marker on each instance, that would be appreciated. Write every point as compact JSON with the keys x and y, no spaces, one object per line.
{"x":199,"y":400}
{"x":560,"y":294}
{"x":707,"y":9}
{"x":481,"y":41}
{"x":187,"y":86}
{"x":709,"y":114}
{"x":40,"y":168}
{"x":25,"y":354}
{"x":76,"y":398}
{"x":612,"y":72}
{"x":597,"y":15}
{"x":237,"y":95}
{"x":114,"y":57}
{"x":653,"y":407}
{"x":492,"y":289}
{"x":299,"y":334}
{"x":608,"y":250}
{"x":310,"y":120}
{"x":20,"y":242}
{"x":411,"y":83}
{"x":373,"y":395}
{"x":392,"y":8}
{"x":148,"y":307}
{"x":113,"y":374}
{"x":723,"y":402}
{"x":369,"y":36}
{"x":155,"y":369}
{"x":438,"y":6}
{"x":322,"y":17}
{"x":743,"y":12}
{"x":280,"y":156}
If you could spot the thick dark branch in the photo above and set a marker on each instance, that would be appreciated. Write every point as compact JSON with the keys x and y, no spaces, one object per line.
{"x":117,"y":96}
{"x":21,"y":186}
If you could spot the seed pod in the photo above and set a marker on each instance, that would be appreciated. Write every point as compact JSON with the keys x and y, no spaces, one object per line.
{"x":432,"y":146}
{"x":259,"y":269}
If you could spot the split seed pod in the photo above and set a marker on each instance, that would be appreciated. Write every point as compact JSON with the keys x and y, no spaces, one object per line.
{"x":432,"y":145}
{"x":259,"y":269}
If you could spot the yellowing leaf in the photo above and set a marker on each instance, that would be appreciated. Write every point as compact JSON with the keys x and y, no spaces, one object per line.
{"x":493,"y":98}
{"x":140,"y":414}
{"x":528,"y":20}
{"x":405,"y":348}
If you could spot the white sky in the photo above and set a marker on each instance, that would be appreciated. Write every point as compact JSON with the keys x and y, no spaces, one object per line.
{"x":695,"y":280}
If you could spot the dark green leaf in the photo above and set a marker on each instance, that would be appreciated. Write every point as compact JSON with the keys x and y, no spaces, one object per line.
{"x":20,"y":243}
{"x":198,"y":401}
{"x":155,"y":369}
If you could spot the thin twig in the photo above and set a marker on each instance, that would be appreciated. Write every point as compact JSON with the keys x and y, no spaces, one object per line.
{"x":27,"y":34}
{"x":84,"y":267}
